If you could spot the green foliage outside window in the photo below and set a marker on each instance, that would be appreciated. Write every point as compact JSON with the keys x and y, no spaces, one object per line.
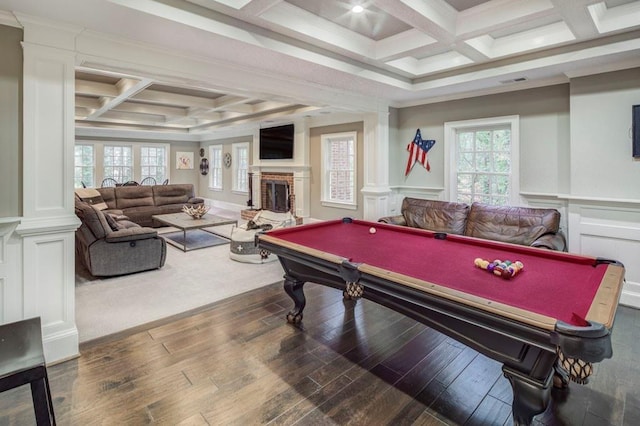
{"x":484,"y":166}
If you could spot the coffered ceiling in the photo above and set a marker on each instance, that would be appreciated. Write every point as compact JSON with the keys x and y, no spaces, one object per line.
{"x":395,"y":52}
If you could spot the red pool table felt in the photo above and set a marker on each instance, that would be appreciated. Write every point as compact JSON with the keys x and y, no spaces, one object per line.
{"x":554,"y":284}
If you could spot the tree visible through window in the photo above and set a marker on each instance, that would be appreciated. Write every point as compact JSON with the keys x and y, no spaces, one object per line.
{"x":118,"y":163}
{"x":484,"y":166}
{"x":153,"y":163}
{"x":339,"y":168}
{"x":240,"y":161}
{"x":482,"y":159}
{"x":215,"y":166}
{"x":84,"y":161}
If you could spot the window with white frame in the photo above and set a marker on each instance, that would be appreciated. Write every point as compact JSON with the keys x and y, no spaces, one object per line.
{"x":240,"y":162}
{"x":215,"y":167}
{"x":153,"y":163}
{"x":339,"y":169}
{"x":84,"y":166}
{"x":483,"y":160}
{"x":118,"y":163}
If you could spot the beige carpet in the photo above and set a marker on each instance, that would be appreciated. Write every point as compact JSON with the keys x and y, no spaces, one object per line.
{"x":187,"y":281}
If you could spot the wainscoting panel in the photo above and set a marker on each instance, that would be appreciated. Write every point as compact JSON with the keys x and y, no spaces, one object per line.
{"x":9,"y":272}
{"x":49,"y":290}
{"x":400,"y":192}
{"x":610,"y":232}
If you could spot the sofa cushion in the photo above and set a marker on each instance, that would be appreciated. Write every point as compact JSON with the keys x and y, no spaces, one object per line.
{"x":109,"y":196}
{"x":93,"y":218}
{"x":518,"y":225}
{"x":172,"y":194}
{"x":133,"y":196}
{"x":113,"y":223}
{"x":438,"y":216}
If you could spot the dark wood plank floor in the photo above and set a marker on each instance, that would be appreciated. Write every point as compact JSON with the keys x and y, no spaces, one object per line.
{"x":239,"y":363}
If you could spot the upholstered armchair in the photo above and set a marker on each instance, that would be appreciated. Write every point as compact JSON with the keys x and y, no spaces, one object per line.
{"x":243,"y":247}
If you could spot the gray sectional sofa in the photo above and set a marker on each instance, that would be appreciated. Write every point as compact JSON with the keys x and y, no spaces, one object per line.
{"x":109,"y":247}
{"x":139,"y":203}
{"x":116,"y":235}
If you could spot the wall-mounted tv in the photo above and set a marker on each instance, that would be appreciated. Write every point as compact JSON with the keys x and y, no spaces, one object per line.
{"x":276,"y":143}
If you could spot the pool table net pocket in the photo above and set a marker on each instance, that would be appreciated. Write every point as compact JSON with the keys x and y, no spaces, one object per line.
{"x":576,"y":369}
{"x":353,"y":290}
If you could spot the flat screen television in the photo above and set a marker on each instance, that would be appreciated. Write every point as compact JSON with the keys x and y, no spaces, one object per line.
{"x":276,"y":143}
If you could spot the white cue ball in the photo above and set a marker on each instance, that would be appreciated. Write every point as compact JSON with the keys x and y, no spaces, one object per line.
{"x":372,"y":230}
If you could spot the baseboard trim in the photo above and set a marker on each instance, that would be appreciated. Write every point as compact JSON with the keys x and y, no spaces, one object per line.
{"x":631,"y":295}
{"x":61,"y":346}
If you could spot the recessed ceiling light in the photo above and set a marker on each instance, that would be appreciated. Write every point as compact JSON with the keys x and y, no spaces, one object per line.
{"x":357,"y":9}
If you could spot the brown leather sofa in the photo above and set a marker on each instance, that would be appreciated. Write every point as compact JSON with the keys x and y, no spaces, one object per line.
{"x":518,"y":225}
{"x":139,"y":203}
{"x":108,"y":247}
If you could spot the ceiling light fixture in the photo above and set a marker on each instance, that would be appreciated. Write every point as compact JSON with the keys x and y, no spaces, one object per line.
{"x":357,"y":9}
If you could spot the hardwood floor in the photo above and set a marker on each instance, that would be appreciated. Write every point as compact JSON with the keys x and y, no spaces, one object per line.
{"x":238,"y":363}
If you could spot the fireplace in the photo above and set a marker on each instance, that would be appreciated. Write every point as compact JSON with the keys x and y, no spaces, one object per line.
{"x":276,"y":195}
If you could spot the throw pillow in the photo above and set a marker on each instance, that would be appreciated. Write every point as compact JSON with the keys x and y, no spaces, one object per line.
{"x":91,"y":196}
{"x":113,"y":224}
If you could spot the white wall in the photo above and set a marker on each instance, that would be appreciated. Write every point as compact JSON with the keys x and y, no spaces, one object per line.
{"x":601,"y":161}
{"x":604,"y":199}
{"x":544,"y":138}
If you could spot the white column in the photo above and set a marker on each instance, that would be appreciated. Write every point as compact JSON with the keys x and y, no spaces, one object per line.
{"x":302,"y":191}
{"x":48,"y":223}
{"x":376,"y":165}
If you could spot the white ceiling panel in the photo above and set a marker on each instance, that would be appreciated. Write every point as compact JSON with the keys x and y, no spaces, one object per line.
{"x":396,"y":52}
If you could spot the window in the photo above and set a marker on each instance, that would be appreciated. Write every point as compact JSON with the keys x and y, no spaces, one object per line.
{"x":483,"y":160}
{"x":215,"y":167}
{"x":240,"y":161}
{"x":339,"y":169}
{"x":84,"y":171}
{"x":118,"y":163}
{"x":153,"y":163}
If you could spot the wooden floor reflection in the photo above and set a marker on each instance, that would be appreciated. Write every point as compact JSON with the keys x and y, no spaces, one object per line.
{"x":238,"y":362}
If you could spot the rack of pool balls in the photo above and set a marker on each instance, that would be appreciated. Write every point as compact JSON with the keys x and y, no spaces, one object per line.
{"x":501,"y":268}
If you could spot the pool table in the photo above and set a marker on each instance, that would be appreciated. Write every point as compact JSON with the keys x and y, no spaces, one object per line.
{"x":559,"y":305}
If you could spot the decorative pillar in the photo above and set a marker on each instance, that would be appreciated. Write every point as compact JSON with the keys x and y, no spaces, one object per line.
{"x":48,"y":223}
{"x":376,"y":165}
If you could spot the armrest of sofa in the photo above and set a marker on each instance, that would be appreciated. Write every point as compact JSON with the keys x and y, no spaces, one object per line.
{"x":394,"y":220}
{"x":195,"y":200}
{"x":551,"y":241}
{"x":131,"y":234}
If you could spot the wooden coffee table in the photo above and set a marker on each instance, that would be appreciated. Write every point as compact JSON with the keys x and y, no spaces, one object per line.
{"x":186,"y":223}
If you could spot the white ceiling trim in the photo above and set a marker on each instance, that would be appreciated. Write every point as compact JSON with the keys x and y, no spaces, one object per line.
{"x":617,"y":18}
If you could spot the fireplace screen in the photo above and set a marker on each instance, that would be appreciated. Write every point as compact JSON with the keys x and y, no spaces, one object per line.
{"x":276,"y":196}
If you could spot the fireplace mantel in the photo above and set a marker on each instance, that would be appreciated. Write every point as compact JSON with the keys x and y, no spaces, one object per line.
{"x":266,"y":168}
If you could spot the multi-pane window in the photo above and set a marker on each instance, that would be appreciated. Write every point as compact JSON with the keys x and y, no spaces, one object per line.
{"x":84,"y":170}
{"x":339,"y":168}
{"x":153,"y":163}
{"x":240,"y":163}
{"x":484,"y":166}
{"x":118,"y":163}
{"x":215,"y":166}
{"x":484,"y":161}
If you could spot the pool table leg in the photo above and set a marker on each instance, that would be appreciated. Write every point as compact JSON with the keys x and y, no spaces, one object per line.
{"x":530,"y":397}
{"x":295,"y":291}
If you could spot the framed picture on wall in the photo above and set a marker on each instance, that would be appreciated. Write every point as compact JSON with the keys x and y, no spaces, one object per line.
{"x":184,"y":160}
